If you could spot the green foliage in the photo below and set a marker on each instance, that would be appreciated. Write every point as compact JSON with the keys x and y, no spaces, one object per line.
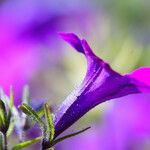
{"x":50,"y":130}
{"x":31,"y":113}
{"x":1,"y":141}
{"x":40,"y":112}
{"x":26,"y":143}
{"x":11,"y":98}
{"x":11,"y":127}
{"x":3,"y":116}
{"x":10,"y":117}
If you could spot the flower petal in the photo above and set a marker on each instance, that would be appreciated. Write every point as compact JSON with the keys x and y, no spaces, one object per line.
{"x":101,"y":83}
{"x":73,"y":40}
{"x":141,"y":78}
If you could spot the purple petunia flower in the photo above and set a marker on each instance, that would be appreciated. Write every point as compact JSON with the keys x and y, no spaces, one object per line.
{"x":101,"y":83}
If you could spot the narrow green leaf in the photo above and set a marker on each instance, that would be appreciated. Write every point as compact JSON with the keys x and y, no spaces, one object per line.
{"x":40,"y":112}
{"x":3,"y":113}
{"x":1,"y":121}
{"x":11,"y":105}
{"x":68,"y":136}
{"x":26,"y":143}
{"x":1,"y":141}
{"x":11,"y":127}
{"x":2,"y":106}
{"x":31,"y":113}
{"x":8,"y":119}
{"x":50,"y":125}
{"x":11,"y":98}
{"x":5,"y":118}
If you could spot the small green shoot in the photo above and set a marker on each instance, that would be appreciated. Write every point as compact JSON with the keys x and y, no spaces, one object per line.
{"x":26,"y":143}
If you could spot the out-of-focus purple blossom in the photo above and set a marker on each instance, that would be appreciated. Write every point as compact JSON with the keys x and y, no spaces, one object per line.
{"x":125,"y":126}
{"x":40,"y":20}
{"x":28,"y":35}
{"x":101,"y":83}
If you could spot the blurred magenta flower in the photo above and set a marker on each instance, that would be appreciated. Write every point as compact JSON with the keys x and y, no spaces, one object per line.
{"x":18,"y":63}
{"x":28,"y":35}
{"x":101,"y":83}
{"x":127,"y":124}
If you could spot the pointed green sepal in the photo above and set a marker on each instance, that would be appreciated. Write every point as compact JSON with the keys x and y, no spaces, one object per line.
{"x":26,"y":143}
{"x":50,"y":130}
{"x":32,"y":114}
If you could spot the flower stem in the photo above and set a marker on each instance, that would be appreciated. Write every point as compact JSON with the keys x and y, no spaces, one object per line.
{"x":5,"y":142}
{"x":46,"y":146}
